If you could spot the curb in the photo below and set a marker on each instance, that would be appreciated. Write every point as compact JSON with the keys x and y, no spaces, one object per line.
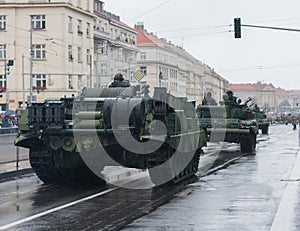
{"x":7,"y":176}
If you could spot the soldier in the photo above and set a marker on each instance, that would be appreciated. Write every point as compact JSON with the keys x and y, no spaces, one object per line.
{"x":119,"y":81}
{"x":210,"y":100}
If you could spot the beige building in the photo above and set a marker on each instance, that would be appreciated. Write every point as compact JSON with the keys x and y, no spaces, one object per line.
{"x":167,"y":65}
{"x":60,"y":37}
{"x":60,"y":46}
{"x":115,"y":47}
{"x":74,"y":44}
{"x":264,"y":95}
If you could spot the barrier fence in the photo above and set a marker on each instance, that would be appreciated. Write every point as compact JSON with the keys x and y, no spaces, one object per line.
{"x":10,"y":130}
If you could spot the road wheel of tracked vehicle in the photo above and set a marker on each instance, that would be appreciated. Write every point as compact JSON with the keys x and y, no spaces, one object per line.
{"x":49,"y":171}
{"x":191,"y":169}
{"x":248,"y":143}
{"x":42,"y":163}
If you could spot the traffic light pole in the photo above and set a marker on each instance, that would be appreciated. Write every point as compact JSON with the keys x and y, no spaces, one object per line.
{"x":271,"y":27}
{"x":238,"y":25}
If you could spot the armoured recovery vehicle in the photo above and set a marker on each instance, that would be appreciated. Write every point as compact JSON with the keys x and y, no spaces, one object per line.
{"x":73,"y":139}
{"x":261,"y":117}
{"x":232,"y":121}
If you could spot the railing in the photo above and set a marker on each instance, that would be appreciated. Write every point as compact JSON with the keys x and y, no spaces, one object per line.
{"x":9,"y":130}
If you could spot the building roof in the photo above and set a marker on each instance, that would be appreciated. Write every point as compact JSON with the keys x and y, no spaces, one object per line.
{"x":122,"y":24}
{"x":146,"y":39}
{"x":282,"y":93}
{"x":250,"y":86}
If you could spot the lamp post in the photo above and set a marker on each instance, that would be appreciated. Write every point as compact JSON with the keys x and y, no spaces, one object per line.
{"x":31,"y":61}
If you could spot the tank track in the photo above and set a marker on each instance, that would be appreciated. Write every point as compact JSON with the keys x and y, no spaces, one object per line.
{"x":43,"y":164}
{"x":189,"y":171}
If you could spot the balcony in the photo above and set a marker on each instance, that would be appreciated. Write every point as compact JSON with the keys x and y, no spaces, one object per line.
{"x":126,"y":43}
{"x":101,"y":33}
{"x":39,"y":88}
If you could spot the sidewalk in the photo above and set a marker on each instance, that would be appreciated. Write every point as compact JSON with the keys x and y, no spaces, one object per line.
{"x":9,"y":170}
{"x":287,"y":216}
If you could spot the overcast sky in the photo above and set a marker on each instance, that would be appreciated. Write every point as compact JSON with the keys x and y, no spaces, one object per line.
{"x":203,"y":27}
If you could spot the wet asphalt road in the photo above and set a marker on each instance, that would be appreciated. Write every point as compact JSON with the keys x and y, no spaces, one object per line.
{"x":245,"y":195}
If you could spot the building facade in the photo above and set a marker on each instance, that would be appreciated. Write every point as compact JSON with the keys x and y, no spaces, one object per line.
{"x":50,"y":44}
{"x":115,"y":47}
{"x":167,"y":65}
{"x":59,"y":47}
{"x":262,"y":94}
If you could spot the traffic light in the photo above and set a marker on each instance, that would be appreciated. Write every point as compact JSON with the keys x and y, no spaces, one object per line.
{"x":10,"y":62}
{"x":7,"y":70}
{"x":237,"y":27}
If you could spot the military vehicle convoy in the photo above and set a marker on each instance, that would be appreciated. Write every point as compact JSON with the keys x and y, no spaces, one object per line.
{"x":232,"y":121}
{"x":73,"y":139}
{"x":261,"y":117}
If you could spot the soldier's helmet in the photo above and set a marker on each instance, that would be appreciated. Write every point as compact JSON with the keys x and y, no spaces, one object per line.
{"x":119,"y":77}
{"x":230,"y":93}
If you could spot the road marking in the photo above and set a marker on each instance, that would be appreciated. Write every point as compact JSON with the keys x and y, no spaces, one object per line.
{"x":54,"y":209}
{"x":285,"y":212}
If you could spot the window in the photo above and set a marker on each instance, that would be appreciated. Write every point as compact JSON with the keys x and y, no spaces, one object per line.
{"x":79,"y":26}
{"x":88,"y":29}
{"x":87,"y":4}
{"x":2,"y":81}
{"x":88,"y":56}
{"x":143,"y":56}
{"x":2,"y":51}
{"x":103,"y":70}
{"x":79,"y":54}
{"x":102,"y":47}
{"x":144,"y":70}
{"x":70,"y":53}
{"x":2,"y":22}
{"x":120,"y":54}
{"x":38,"y":22}
{"x":80,"y":82}
{"x":70,"y":24}
{"x":40,"y":80}
{"x":39,"y":51}
{"x":70,"y":80}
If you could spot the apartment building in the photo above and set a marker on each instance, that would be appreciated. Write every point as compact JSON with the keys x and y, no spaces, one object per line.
{"x":51,"y":43}
{"x":263,"y":94}
{"x":115,"y":47}
{"x":59,"y":47}
{"x":167,"y":65}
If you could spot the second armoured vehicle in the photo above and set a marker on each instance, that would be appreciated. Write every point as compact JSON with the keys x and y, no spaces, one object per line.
{"x":232,"y":121}
{"x":261,"y":117}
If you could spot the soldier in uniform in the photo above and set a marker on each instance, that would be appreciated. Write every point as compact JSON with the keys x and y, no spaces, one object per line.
{"x":209,"y":100}
{"x":119,"y":81}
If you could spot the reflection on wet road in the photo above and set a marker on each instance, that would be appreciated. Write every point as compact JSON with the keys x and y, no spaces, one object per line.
{"x":245,"y":195}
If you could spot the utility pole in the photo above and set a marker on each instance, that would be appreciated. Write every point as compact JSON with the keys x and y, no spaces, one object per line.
{"x":31,"y":62}
{"x":23,"y":83}
{"x":5,"y":77}
{"x":91,"y":74}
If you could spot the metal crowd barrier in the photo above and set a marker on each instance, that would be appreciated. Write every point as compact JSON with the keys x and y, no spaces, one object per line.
{"x":10,"y":130}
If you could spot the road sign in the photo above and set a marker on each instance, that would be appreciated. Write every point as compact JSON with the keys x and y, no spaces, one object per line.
{"x":138,"y":75}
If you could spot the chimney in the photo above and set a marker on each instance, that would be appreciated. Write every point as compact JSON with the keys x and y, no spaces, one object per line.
{"x":139,"y":25}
